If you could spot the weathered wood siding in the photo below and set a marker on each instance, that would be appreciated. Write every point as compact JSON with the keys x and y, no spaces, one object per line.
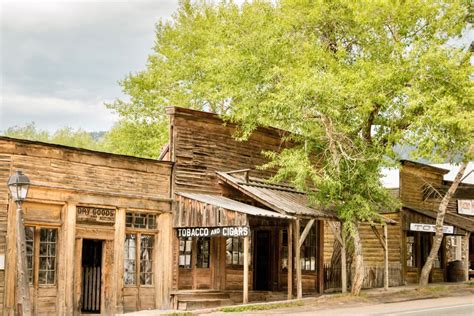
{"x":63,"y":177}
{"x":201,"y":145}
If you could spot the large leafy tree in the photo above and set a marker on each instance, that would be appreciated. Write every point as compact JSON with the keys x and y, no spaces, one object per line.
{"x":350,"y":79}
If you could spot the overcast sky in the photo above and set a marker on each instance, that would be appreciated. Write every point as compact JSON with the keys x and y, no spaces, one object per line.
{"x":61,"y":60}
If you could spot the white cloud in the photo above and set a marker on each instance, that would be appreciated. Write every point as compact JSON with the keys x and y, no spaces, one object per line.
{"x":60,"y":60}
{"x":51,"y":113}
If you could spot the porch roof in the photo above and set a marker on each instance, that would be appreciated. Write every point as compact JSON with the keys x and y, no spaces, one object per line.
{"x":232,"y":205}
{"x":457,"y":220}
{"x":279,"y":197}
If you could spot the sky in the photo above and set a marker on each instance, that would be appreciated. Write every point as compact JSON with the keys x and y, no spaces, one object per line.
{"x":62,"y":60}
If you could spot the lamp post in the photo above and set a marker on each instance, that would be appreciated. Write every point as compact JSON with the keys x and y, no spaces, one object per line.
{"x":18,"y":185}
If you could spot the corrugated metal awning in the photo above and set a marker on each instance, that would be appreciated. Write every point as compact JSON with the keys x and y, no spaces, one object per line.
{"x":281,"y":198}
{"x":232,"y":205}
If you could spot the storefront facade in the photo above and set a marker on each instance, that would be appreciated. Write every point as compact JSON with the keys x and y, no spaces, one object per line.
{"x":97,"y":226}
{"x":421,"y":189}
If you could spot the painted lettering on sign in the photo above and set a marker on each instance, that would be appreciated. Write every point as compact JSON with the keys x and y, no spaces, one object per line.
{"x":466,"y":207}
{"x":429,"y":228}
{"x":232,"y":231}
{"x":95,"y":215}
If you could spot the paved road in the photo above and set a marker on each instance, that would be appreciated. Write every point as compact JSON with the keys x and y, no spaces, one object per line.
{"x":458,"y":306}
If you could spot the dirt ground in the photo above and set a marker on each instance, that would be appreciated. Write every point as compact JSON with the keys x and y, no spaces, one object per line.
{"x":368,"y":297}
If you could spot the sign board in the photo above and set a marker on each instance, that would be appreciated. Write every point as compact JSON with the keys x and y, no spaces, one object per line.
{"x":466,"y":207}
{"x":2,"y":262}
{"x":95,"y":215}
{"x":231,"y":231}
{"x":429,"y":228}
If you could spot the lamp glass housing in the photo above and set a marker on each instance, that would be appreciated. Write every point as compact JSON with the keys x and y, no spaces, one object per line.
{"x":18,"y":184}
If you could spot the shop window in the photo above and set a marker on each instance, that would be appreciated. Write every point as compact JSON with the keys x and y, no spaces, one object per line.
{"x":454,"y":247}
{"x":235,"y":251}
{"x":203,"y":245}
{"x":308,"y":250}
{"x":411,"y":250}
{"x":139,"y":248}
{"x":41,"y":245}
{"x":140,"y":220}
{"x":185,"y":252}
{"x":284,"y":250}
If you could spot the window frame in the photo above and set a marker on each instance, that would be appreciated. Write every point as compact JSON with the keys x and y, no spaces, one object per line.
{"x":186,"y":252}
{"x":36,"y":255}
{"x":200,"y":257}
{"x":240,"y":254}
{"x":313,"y":244}
{"x":139,"y":232}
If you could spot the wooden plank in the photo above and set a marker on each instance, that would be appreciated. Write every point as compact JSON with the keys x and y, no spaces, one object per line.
{"x":246,"y":270}
{"x":118,"y":268}
{"x":305,"y":232}
{"x":299,"y":289}
{"x":385,"y":232}
{"x":290,"y":260}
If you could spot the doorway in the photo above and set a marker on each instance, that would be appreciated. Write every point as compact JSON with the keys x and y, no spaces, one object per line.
{"x":91,"y":276}
{"x":262,"y":261}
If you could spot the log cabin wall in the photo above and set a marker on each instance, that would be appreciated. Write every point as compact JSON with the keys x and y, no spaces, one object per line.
{"x":63,"y":179}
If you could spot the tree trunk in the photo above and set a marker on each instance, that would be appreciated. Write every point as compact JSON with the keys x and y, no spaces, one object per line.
{"x":358,"y":278}
{"x":425,"y":272}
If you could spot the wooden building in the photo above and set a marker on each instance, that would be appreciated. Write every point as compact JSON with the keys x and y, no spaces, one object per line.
{"x":212,"y":170}
{"x":98,"y":230}
{"x":421,"y":190}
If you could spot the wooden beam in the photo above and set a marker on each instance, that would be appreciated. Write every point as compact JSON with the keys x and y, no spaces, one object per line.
{"x":290,"y":260}
{"x":305,"y":232}
{"x":465,"y":250}
{"x":379,"y":237}
{"x":385,"y":233}
{"x":246,"y":271}
{"x":299,"y":289}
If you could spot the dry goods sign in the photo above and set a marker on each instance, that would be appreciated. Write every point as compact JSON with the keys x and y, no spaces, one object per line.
{"x":231,"y":231}
{"x":95,"y":215}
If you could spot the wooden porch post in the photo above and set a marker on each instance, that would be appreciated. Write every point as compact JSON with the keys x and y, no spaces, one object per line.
{"x":290,"y":260}
{"x":465,"y":251}
{"x":246,"y":270}
{"x":343,"y":261}
{"x":299,"y":289}
{"x":385,"y":235}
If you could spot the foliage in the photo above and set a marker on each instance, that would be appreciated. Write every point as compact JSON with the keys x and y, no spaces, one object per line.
{"x":260,"y":307}
{"x":64,"y":136}
{"x":140,"y":140}
{"x":350,"y":79}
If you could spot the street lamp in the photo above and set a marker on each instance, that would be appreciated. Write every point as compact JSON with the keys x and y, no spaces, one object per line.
{"x":18,"y":185}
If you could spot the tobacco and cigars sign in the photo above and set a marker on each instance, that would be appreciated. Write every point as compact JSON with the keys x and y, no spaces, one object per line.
{"x":429,"y":228}
{"x":231,"y":231}
{"x":95,"y":215}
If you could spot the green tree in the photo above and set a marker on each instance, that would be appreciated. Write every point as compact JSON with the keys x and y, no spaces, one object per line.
{"x":350,"y":79}
{"x":64,"y":136}
{"x":140,"y":140}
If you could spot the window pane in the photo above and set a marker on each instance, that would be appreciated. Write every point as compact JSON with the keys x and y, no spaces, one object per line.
{"x":185,"y":253}
{"x":129,"y":220}
{"x":29,"y":237}
{"x":47,"y":259}
{"x":130,"y":261}
{"x":146,"y":259}
{"x":203,"y":252}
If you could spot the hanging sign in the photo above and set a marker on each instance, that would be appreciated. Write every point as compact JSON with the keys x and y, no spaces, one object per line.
{"x":466,"y":207}
{"x":95,"y":215}
{"x":429,"y":228}
{"x":231,"y":231}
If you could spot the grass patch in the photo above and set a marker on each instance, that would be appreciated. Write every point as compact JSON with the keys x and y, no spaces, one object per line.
{"x":246,"y":308}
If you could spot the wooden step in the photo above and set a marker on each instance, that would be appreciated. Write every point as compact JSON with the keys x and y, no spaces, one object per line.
{"x":193,"y":304}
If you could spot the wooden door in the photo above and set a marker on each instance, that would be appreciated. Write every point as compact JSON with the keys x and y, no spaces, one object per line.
{"x":91,"y":276}
{"x":202,"y":266}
